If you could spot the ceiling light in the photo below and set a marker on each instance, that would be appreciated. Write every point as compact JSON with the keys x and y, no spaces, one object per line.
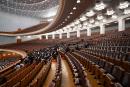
{"x":74,"y":8}
{"x":68,"y":26}
{"x":123,"y":5}
{"x":57,"y":32}
{"x":65,"y":19}
{"x":115,"y":22}
{"x":74,"y":29}
{"x":89,"y":25}
{"x":114,"y":16}
{"x":91,"y":20}
{"x":70,"y":29}
{"x":90,"y":13}
{"x":110,"y":12}
{"x":85,"y":23}
{"x":61,"y":30}
{"x":96,"y":23}
{"x":100,"y":6}
{"x":100,"y":17}
{"x":64,"y":28}
{"x":83,"y":18}
{"x":126,"y":11}
{"x":104,"y":20}
{"x":72,"y":24}
{"x":78,"y":1}
{"x":71,"y":12}
{"x":79,"y":25}
{"x":68,"y":16}
{"x":77,"y":22}
{"x":85,"y":27}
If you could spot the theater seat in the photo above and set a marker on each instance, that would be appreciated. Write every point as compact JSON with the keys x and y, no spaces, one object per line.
{"x":118,"y":73}
{"x":126,"y":80}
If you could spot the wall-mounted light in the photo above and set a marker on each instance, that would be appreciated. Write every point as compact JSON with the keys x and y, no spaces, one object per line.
{"x":110,"y":12}
{"x":100,"y":17}
{"x":123,"y":5}
{"x":74,"y":8}
{"x":127,"y":11}
{"x":90,"y":13}
{"x":83,"y":18}
{"x":91,"y":20}
{"x":100,"y":6}
{"x":78,"y":1}
{"x":114,"y":16}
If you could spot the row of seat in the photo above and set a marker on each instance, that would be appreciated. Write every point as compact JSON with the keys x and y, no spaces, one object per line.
{"x":78,"y":71}
{"x":56,"y":82}
{"x":5,"y":65}
{"x":5,"y":71}
{"x":41,"y":76}
{"x":109,"y":74}
{"x":120,"y":41}
{"x":123,"y":49}
{"x":117,"y":58}
{"x":6,"y":62}
{"x":111,"y":54}
{"x":21,"y":74}
{"x":30,"y":76}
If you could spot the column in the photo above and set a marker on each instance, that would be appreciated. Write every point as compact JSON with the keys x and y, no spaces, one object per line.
{"x":46,"y":36}
{"x":18,"y":39}
{"x":60,"y":36}
{"x":53,"y":36}
{"x":102,"y":29}
{"x":68,"y":34}
{"x":88,"y":32}
{"x":78,"y":33}
{"x":40,"y":37}
{"x":121,"y":24}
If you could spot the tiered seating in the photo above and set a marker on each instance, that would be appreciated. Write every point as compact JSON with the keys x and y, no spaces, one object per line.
{"x":19,"y":76}
{"x":41,"y":76}
{"x":109,"y":74}
{"x":28,"y":78}
{"x":15,"y":72}
{"x":117,"y":58}
{"x":105,"y":56}
{"x":8,"y":69}
{"x":78,"y":71}
{"x":30,"y":71}
{"x":7,"y":62}
{"x":7,"y":59}
{"x":56,"y":82}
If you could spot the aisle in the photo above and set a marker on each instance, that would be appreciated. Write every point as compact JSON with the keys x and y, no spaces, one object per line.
{"x":67,"y":78}
{"x":50,"y":75}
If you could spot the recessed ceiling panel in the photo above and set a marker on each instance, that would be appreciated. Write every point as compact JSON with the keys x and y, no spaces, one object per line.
{"x":22,"y":14}
{"x":28,"y":7}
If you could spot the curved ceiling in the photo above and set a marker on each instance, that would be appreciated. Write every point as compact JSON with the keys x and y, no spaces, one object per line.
{"x":63,"y":14}
{"x":31,"y":8}
{"x":26,"y":14}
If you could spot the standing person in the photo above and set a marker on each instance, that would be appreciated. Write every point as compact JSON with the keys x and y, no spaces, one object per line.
{"x":67,"y":49}
{"x":55,"y":53}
